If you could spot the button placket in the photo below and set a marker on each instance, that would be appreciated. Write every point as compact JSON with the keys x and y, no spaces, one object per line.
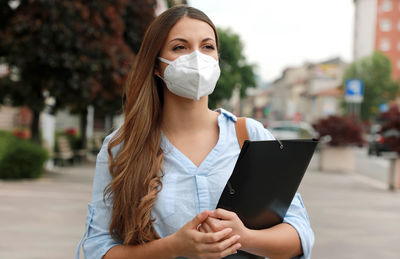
{"x":203,"y":194}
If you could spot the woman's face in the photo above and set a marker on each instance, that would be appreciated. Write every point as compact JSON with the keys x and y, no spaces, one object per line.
{"x":186,"y":36}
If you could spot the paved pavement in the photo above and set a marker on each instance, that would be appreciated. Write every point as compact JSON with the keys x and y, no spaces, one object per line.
{"x":352,"y":216}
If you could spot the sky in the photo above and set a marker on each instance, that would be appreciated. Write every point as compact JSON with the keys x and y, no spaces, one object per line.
{"x":284,"y":33}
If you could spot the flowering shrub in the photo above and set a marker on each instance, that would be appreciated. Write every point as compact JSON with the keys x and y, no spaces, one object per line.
{"x":71,"y":132}
{"x":391,"y":122}
{"x":22,"y":133}
{"x":343,"y":131}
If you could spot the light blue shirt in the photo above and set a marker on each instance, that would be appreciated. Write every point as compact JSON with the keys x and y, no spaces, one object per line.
{"x":187,"y":190}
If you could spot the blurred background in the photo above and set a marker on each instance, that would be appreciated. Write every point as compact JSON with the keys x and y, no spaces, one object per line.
{"x":305,"y":69}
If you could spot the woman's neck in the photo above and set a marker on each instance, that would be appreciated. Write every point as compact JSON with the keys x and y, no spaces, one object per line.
{"x":181,"y":115}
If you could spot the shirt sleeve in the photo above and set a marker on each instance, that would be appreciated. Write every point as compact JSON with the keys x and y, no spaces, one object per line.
{"x":97,"y":240}
{"x":257,"y":131}
{"x":296,"y":215}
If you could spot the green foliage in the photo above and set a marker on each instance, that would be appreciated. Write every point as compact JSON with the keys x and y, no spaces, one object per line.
{"x":5,"y":139}
{"x":78,"y":52}
{"x":375,"y":71}
{"x":235,"y":71}
{"x":137,"y":17}
{"x":20,"y":158}
{"x":171,"y":3}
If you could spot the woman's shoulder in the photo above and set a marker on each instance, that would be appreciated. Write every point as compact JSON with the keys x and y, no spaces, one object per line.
{"x":255,"y":128}
{"x":102,"y":156}
{"x":257,"y":131}
{"x":102,"y":176}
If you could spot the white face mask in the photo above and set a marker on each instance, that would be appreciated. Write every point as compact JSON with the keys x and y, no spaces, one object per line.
{"x":191,"y":76}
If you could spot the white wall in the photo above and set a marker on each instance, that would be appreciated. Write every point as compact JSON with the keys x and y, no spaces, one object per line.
{"x":65,"y":120}
{"x":7,"y":117}
{"x":365,"y":25}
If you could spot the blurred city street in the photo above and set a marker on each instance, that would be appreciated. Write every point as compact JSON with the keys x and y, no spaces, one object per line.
{"x":72,"y":72}
{"x":353,"y":215}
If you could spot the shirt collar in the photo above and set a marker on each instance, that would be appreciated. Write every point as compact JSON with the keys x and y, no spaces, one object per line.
{"x":227,"y":114}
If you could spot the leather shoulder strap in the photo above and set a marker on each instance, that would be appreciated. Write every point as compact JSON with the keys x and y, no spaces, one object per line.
{"x":241,"y":131}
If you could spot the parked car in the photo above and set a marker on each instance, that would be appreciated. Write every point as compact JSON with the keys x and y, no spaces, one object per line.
{"x":377,"y":140}
{"x":292,"y":130}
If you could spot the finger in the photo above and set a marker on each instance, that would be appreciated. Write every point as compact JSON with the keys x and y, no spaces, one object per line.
{"x":198,"y":219}
{"x":230,"y":250}
{"x":216,"y":224}
{"x":206,"y":227}
{"x":224,"y":244}
{"x":216,"y":236}
{"x":222,"y":214}
{"x":223,"y":254}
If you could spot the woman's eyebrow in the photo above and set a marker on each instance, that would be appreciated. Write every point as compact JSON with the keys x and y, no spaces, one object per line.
{"x":186,"y":41}
{"x":178,"y":39}
{"x":207,"y":39}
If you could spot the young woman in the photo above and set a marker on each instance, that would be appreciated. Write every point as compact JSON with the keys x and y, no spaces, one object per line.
{"x":159,"y":177}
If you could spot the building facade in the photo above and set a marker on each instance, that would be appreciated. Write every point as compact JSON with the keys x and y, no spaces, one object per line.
{"x":377,"y":27}
{"x":303,"y":93}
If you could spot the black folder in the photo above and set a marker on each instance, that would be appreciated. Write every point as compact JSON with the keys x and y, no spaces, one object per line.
{"x":264,"y":181}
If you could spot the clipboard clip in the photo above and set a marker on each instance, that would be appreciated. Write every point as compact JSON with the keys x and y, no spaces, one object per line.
{"x":280,"y":143}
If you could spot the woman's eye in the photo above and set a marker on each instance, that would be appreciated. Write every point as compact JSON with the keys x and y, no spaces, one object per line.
{"x":209,"y":47}
{"x":179,"y":47}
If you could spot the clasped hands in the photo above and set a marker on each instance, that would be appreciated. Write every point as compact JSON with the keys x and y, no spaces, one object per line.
{"x":211,"y":234}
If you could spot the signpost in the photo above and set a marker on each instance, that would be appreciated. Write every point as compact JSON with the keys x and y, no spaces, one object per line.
{"x":354,"y":95}
{"x":354,"y":91}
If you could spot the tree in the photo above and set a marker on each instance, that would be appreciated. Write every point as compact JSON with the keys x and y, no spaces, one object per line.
{"x":137,"y":16}
{"x":235,"y":71}
{"x":75,"y":51}
{"x":171,"y":3}
{"x":379,"y":88}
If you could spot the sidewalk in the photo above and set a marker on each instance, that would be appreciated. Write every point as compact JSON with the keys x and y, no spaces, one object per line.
{"x":351,"y":217}
{"x":45,"y":218}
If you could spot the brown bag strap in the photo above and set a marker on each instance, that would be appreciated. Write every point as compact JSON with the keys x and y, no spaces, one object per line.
{"x":241,"y":131}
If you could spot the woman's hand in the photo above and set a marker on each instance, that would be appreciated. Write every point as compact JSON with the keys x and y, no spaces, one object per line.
{"x":191,"y":243}
{"x":220,"y":219}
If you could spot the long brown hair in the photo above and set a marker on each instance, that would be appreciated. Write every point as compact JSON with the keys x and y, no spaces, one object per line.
{"x":136,"y":168}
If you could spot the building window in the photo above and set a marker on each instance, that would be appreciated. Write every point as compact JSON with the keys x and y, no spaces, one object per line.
{"x":398,"y":24}
{"x":386,"y":25}
{"x":384,"y":45}
{"x":386,"y":6}
{"x":398,"y":63}
{"x":398,"y":45}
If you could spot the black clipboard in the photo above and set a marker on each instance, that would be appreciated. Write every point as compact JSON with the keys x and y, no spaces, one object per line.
{"x":265,"y":179}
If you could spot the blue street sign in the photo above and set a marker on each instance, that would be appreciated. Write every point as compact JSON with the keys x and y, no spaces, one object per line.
{"x":383,"y":107}
{"x":354,"y":91}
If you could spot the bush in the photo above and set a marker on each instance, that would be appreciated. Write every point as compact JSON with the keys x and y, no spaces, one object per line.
{"x":343,"y":131}
{"x":20,"y":158}
{"x":22,"y":133}
{"x":5,"y":139}
{"x":391,"y":122}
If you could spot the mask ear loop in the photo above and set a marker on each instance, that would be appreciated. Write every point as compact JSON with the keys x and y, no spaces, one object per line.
{"x":162,"y":79}
{"x":166,"y":61}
